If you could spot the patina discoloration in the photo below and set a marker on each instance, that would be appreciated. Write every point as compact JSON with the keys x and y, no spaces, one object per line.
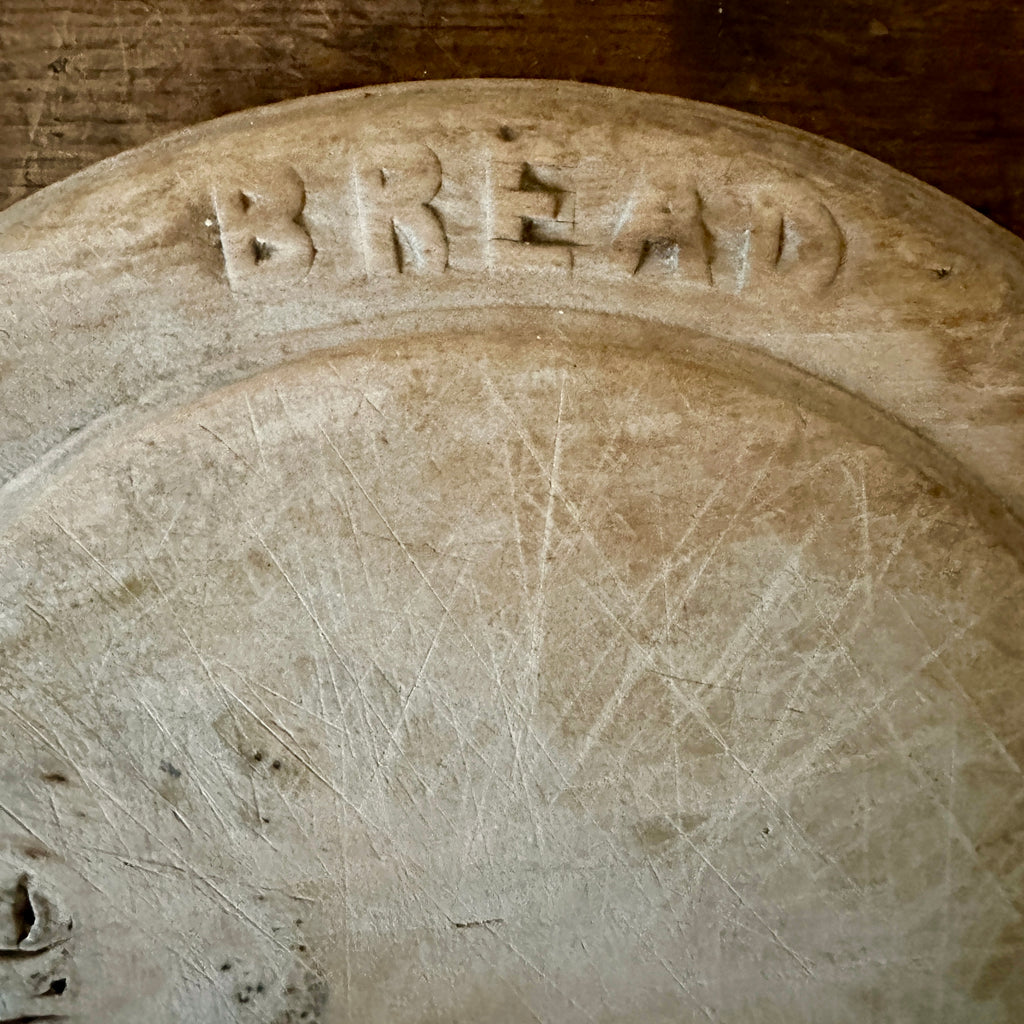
{"x":481,"y":588}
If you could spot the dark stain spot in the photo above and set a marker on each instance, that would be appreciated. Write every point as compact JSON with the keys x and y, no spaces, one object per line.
{"x":258,"y":559}
{"x":166,"y":766}
{"x":941,"y":272}
{"x":246,"y":992}
{"x":276,"y":765}
{"x":655,"y":832}
{"x":54,"y":777}
{"x":507,"y":133}
{"x":226,"y":966}
{"x":58,"y":66}
{"x":136,"y":586}
{"x":1002,"y":977}
{"x":257,"y":755}
{"x":261,"y":250}
{"x":308,"y":1002}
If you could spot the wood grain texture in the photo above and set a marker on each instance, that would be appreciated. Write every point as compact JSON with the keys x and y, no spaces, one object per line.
{"x":931,"y":87}
{"x":631,"y":648}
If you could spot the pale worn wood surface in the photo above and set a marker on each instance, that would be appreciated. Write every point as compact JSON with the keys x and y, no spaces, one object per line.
{"x":501,"y":552}
{"x":933,"y":88}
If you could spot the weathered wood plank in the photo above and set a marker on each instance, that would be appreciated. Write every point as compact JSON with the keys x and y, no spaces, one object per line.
{"x":931,"y":87}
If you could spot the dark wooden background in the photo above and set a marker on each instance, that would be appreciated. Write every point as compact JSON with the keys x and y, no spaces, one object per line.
{"x":934,"y":87}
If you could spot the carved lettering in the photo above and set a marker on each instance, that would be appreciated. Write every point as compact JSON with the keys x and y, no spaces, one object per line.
{"x":402,"y":231}
{"x":663,"y":234}
{"x":265,"y":244}
{"x":533,"y":214}
{"x":531,"y":204}
{"x":795,"y":242}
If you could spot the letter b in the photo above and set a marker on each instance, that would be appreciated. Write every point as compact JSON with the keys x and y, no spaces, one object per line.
{"x":265,"y":246}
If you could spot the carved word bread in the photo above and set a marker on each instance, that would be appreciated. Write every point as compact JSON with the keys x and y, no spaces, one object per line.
{"x":508,"y":551}
{"x":399,"y":210}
